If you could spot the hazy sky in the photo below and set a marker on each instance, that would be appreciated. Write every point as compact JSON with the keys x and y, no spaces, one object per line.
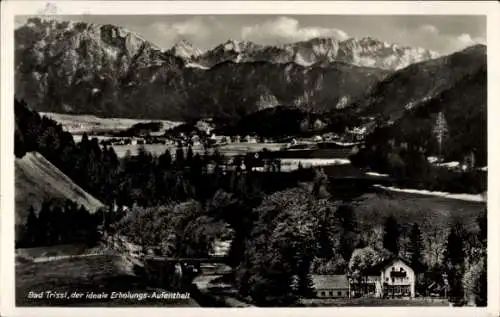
{"x":444,"y":34}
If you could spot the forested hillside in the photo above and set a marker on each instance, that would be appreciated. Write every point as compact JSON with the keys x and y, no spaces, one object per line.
{"x":38,"y":181}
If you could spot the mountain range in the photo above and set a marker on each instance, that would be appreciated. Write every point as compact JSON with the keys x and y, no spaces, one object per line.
{"x":108,"y":71}
{"x":364,"y":52}
{"x":77,"y":67}
{"x":421,"y":82}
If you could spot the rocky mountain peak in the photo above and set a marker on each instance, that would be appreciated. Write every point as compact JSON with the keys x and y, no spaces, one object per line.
{"x":364,"y":52}
{"x":185,"y":50}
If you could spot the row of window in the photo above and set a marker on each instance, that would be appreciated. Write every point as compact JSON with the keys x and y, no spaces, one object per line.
{"x":398,"y":290}
{"x":404,"y":278}
{"x":331,"y":293}
{"x":400,"y":269}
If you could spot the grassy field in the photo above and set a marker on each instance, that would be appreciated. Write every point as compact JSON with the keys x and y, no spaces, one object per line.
{"x":428,"y":211}
{"x":59,"y":250}
{"x":228,"y":150}
{"x":234,"y":149}
{"x":102,"y":273}
{"x":79,"y":124}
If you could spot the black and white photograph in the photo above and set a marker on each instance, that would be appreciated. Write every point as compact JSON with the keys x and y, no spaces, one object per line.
{"x":250,"y":160}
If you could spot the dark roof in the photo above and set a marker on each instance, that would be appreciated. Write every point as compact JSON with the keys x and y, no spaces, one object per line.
{"x":328,"y":281}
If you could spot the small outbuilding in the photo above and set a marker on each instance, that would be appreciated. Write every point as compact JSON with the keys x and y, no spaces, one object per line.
{"x":331,"y":286}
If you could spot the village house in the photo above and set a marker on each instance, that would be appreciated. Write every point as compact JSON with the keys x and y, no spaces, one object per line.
{"x":318,"y":125}
{"x":247,"y":139}
{"x":469,"y":161}
{"x":252,"y":139}
{"x":356,"y":134}
{"x":225,"y":139}
{"x":330,"y":136}
{"x":195,"y":140}
{"x":291,"y":143}
{"x":160,"y":133}
{"x":390,"y":278}
{"x":317,"y":138}
{"x":393,"y":278}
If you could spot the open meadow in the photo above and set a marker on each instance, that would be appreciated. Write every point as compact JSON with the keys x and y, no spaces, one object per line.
{"x":78,"y":124}
{"x":228,"y":150}
{"x":428,"y":212}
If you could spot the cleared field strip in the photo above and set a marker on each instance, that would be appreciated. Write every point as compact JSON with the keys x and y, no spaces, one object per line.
{"x":79,"y":124}
{"x":465,"y":197}
{"x":228,"y":150}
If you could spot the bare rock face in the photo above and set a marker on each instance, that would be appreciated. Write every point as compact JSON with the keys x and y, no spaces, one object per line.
{"x":74,"y":66}
{"x":364,"y":52}
{"x":185,"y":50}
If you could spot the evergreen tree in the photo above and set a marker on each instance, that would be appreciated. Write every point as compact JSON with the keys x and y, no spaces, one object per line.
{"x":179,"y":156}
{"x":179,"y":192}
{"x":31,"y":229}
{"x":482,"y":287}
{"x":19,"y":146}
{"x":165,"y":160}
{"x":56,"y":225}
{"x":483,"y":227}
{"x":416,"y":246}
{"x":454,"y":252}
{"x":68,"y":221}
{"x":346,"y":227}
{"x":440,"y":131}
{"x":82,"y":163}
{"x":391,"y":235}
{"x":305,"y":284}
{"x":272,"y":288}
{"x":94,"y":169}
{"x":196,"y":167}
{"x":85,"y":142}
{"x":217,"y":157}
{"x":65,"y":152}
{"x":189,"y":156}
{"x":44,"y":224}
{"x":83,"y":222}
{"x":454,"y":259}
{"x":482,"y":282}
{"x":456,"y":290}
{"x":109,"y":175}
{"x":319,"y":183}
